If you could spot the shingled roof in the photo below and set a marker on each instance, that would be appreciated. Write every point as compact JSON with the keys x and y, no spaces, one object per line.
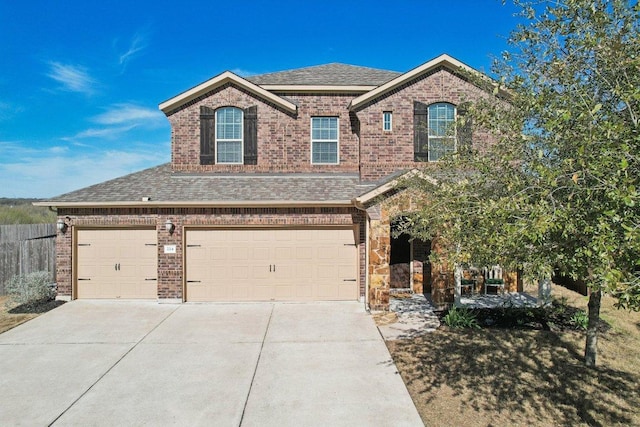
{"x":162,"y":187}
{"x":334,"y":74}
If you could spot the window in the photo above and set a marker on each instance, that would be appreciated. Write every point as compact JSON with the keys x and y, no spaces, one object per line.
{"x":229,"y":135}
{"x":324,"y":140}
{"x":442,"y":132}
{"x":386,"y":121}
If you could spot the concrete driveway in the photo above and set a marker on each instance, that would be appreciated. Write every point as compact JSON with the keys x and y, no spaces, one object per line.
{"x":144,"y":363}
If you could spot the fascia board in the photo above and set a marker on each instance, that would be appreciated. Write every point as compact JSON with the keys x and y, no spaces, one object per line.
{"x":197,"y":204}
{"x":442,"y":60}
{"x":220,"y":80}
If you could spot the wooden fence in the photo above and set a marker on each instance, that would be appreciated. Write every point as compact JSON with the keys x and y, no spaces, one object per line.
{"x":26,"y":249}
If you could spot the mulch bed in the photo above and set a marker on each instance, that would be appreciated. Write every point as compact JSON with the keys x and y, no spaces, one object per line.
{"x":37,"y":307}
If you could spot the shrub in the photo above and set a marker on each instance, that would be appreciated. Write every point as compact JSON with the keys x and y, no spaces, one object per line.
{"x":30,"y":288}
{"x":580,"y":319}
{"x":460,"y":318}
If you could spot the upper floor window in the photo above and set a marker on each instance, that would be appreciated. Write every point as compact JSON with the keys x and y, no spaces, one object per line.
{"x":324,"y":140}
{"x":435,"y":133}
{"x":442,"y":132}
{"x":229,"y":135}
{"x":387,"y":118}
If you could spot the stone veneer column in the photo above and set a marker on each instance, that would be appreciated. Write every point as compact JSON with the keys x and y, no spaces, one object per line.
{"x":379,"y":257}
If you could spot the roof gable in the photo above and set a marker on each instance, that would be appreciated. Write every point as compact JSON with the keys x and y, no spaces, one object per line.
{"x":443,"y":60}
{"x":222,"y":79}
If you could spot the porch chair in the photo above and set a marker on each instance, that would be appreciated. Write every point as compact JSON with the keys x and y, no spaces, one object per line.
{"x":493,"y":277}
{"x":469,"y":285}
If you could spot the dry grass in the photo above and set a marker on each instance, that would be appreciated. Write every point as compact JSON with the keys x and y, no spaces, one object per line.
{"x":12,"y":315}
{"x":502,"y":377}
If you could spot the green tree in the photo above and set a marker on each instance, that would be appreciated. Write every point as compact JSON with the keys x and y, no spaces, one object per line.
{"x":559,"y":188}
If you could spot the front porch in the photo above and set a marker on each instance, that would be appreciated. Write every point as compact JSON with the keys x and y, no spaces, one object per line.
{"x":397,"y":261}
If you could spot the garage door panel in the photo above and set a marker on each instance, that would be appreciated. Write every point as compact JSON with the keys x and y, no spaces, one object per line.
{"x":258,"y":272}
{"x":239,"y":273}
{"x":261,"y":254}
{"x":304,"y":253}
{"x":272,"y":264}
{"x":198,"y":291}
{"x":219,"y":273}
{"x":262,"y":292}
{"x":304,"y":273}
{"x":284,"y":292}
{"x":304,"y":292}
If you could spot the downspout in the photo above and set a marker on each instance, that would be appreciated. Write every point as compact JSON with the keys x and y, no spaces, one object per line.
{"x":358,"y":205}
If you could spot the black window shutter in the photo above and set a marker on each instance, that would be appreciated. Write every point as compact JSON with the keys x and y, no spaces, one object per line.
{"x":464,"y":130}
{"x":420,"y":132}
{"x":251,"y":135}
{"x":207,"y":135}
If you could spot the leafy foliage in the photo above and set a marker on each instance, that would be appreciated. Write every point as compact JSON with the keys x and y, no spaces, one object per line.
{"x":30,"y":288}
{"x":559,"y":188}
{"x":460,"y":318}
{"x":580,"y":319}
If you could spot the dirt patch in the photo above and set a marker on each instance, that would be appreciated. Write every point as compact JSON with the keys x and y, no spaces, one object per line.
{"x":525,"y":377}
{"x":12,"y":315}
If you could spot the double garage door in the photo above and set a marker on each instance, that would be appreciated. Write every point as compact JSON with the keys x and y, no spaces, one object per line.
{"x":271,"y":265}
{"x":223,"y":264}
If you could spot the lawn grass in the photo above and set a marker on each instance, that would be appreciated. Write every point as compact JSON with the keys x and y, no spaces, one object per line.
{"x":514,"y":377}
{"x":12,"y":315}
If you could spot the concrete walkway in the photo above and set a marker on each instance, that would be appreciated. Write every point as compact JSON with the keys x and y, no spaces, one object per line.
{"x":415,"y":317}
{"x":143,"y":363}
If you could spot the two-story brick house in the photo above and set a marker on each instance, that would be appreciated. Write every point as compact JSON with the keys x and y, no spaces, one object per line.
{"x":280,"y":187}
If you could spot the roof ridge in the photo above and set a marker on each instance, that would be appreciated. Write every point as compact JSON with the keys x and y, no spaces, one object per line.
{"x":320,"y":65}
{"x":331,"y":74}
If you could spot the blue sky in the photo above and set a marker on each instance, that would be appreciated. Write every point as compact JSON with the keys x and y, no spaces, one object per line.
{"x":80,"y":81}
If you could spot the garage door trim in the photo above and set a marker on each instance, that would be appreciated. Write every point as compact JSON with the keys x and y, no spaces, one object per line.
{"x":74,"y":246}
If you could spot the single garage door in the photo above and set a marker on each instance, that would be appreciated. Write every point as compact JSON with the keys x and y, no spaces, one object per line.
{"x":271,"y":265}
{"x":117,"y":264}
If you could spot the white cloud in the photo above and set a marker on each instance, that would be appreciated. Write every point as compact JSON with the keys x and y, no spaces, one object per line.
{"x":107,"y":133}
{"x":243,"y":73}
{"x":47,"y":174}
{"x":8,"y":111}
{"x":138,"y":43}
{"x":127,"y":113}
{"x":73,"y":78}
{"x":119,"y":119}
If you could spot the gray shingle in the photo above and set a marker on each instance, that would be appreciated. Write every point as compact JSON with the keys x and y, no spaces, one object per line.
{"x":162,"y":185}
{"x":328,"y":74}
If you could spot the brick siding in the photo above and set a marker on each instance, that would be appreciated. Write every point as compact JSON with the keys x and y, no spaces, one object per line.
{"x":284,"y":141}
{"x":170,"y":266}
{"x":384,"y":152}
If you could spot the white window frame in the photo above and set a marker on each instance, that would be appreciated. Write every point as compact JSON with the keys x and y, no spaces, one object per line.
{"x":450,"y":125}
{"x":241,"y":140}
{"x":337,"y":140}
{"x":385,"y":122}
